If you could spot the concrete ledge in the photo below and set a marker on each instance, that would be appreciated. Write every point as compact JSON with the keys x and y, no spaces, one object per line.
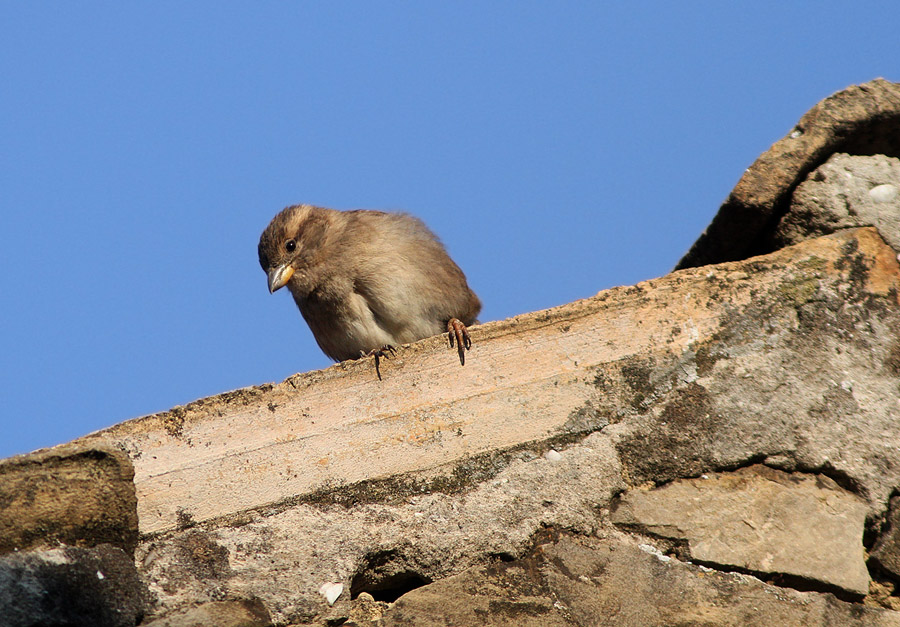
{"x":529,"y":378}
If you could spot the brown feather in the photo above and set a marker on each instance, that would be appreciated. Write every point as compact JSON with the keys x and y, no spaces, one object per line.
{"x":367,"y":279}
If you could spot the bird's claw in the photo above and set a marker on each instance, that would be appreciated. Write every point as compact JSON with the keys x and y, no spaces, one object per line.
{"x":459,"y":335}
{"x":385,"y":351}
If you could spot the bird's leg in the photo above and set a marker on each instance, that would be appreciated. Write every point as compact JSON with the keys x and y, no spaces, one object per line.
{"x":385,"y":351}
{"x":457,"y":330}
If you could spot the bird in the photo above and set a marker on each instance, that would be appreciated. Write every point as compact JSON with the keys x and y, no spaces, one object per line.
{"x":366,"y":281}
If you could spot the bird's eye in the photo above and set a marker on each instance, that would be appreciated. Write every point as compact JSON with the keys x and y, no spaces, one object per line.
{"x":290,"y":245}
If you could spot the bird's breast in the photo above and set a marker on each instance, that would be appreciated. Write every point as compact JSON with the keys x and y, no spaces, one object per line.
{"x":343,"y":329}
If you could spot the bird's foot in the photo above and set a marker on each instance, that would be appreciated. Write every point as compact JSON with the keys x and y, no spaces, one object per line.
{"x":385,"y":351}
{"x":457,"y":331}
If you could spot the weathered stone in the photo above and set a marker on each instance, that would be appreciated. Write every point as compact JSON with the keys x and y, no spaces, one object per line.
{"x":860,"y":120}
{"x":381,"y":548}
{"x":886,"y":552}
{"x":847,"y":191}
{"x":383,"y":487}
{"x":233,"y":613}
{"x":365,"y":611}
{"x":98,"y":586}
{"x":72,"y":494}
{"x":802,"y":376}
{"x":883,"y":594}
{"x":761,"y":520}
{"x":578,"y":581}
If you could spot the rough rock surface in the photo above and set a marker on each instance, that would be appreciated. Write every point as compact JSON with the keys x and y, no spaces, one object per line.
{"x":74,"y":495}
{"x":801,"y":374}
{"x":790,"y":359}
{"x":482,"y":495}
{"x":860,"y":120}
{"x":886,"y":552}
{"x":761,"y":520}
{"x":234,"y":613}
{"x":847,"y":191}
{"x":98,"y":586}
{"x":615,"y":581}
{"x":382,"y":548}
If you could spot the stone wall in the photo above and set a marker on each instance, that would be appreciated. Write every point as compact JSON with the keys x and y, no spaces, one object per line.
{"x":719,"y":446}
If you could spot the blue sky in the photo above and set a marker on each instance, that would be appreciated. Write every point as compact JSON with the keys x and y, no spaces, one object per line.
{"x":558,"y":149}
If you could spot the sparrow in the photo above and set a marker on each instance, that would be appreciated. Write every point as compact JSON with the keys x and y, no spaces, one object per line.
{"x":366,"y":281}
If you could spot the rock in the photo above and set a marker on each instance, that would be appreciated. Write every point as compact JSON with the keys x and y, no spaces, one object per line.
{"x":761,"y":520}
{"x":886,"y":552}
{"x":331,"y":591}
{"x":232,"y":613}
{"x":860,"y":120}
{"x":789,"y":358}
{"x":98,"y":586}
{"x":578,"y":581}
{"x":380,"y":549}
{"x":75,"y":495}
{"x":365,"y":611}
{"x":845,"y":192}
{"x":803,"y":375}
{"x":552,"y":456}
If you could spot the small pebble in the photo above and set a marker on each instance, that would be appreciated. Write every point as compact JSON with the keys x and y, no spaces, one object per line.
{"x":883,"y":193}
{"x":331,"y":591}
{"x":552,"y":456}
{"x":652,"y":550}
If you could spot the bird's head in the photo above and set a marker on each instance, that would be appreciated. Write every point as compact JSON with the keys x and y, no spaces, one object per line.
{"x":290,"y":241}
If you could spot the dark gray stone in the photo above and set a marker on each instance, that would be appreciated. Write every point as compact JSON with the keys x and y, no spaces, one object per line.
{"x":69,"y":586}
{"x":886,"y":552}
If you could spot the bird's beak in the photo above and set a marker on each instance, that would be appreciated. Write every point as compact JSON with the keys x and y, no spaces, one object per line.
{"x":278,"y":277}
